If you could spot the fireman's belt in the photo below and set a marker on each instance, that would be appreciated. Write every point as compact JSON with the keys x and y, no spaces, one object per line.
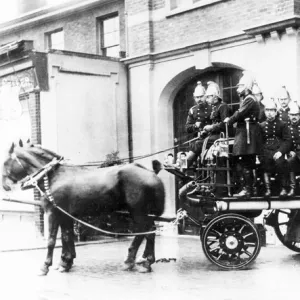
{"x":272,"y":141}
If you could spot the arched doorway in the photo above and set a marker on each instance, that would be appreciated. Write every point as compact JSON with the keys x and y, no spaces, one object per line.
{"x":227,"y":78}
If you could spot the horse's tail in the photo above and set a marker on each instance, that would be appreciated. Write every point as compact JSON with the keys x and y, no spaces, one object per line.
{"x":156,"y":166}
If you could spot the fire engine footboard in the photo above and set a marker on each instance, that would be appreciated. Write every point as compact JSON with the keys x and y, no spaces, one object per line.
{"x":242,"y":205}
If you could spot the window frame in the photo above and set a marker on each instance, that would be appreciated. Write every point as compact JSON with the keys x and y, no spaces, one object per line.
{"x":101,"y":49}
{"x":48,"y":38}
{"x":188,"y":5}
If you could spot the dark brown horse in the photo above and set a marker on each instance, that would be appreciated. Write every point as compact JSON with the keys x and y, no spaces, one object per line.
{"x":89,"y":190}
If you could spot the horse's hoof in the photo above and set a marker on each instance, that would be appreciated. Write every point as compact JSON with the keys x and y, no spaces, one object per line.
{"x":43,"y":271}
{"x":62,"y":269}
{"x":144,"y":267}
{"x":127,"y":266}
{"x":140,"y":260}
{"x":55,"y":267}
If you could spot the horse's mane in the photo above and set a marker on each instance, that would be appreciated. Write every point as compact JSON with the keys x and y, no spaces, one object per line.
{"x":35,"y":154}
{"x":43,"y":152}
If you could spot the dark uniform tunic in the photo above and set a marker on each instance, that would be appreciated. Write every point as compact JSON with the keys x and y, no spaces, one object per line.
{"x":283,"y":115}
{"x":276,"y":137}
{"x":294,"y":162}
{"x":220,"y":111}
{"x":198,"y":113}
{"x":249,"y":108}
{"x":262,"y":116}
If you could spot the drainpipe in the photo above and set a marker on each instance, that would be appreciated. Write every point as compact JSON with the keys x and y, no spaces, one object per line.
{"x":129,"y":116}
{"x":129,"y":104}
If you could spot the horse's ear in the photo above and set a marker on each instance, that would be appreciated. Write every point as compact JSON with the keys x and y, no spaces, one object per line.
{"x":29,"y":143}
{"x":11,"y":150}
{"x":20,"y":143}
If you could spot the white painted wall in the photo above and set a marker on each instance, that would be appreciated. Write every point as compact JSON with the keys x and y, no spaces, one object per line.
{"x":84,"y":114}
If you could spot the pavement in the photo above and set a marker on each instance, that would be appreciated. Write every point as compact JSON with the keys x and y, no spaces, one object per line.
{"x":98,"y":274}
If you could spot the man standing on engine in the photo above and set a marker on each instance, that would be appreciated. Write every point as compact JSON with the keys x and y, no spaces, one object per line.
{"x":257,"y":93}
{"x":247,"y":141}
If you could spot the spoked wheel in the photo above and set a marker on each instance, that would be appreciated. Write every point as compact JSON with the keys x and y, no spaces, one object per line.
{"x":283,"y":218}
{"x":231,"y":241}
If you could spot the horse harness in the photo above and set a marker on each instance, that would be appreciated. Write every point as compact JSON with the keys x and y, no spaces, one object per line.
{"x":31,"y":181}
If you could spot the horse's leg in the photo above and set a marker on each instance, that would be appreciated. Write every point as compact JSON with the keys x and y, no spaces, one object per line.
{"x":132,"y":251}
{"x":148,"y":257}
{"x":52,"y":234}
{"x":68,"y":249}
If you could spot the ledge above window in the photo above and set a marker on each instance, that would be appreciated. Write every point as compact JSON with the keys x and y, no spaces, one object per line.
{"x":174,"y":7}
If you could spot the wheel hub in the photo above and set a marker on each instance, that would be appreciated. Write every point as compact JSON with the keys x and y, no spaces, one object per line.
{"x":231,"y":242}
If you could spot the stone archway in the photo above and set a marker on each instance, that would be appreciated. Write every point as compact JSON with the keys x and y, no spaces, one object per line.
{"x":177,"y":94}
{"x":170,"y":92}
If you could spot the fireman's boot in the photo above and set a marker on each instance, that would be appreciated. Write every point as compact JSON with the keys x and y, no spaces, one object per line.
{"x":254,"y":186}
{"x":267,"y":185}
{"x":283,"y":191}
{"x":292,"y":185}
{"x":246,"y":191}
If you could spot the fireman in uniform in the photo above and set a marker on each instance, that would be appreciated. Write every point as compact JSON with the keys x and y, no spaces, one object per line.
{"x":294,"y":154}
{"x":284,"y":99}
{"x":257,"y":93}
{"x":276,"y":143}
{"x":198,"y":118}
{"x":219,"y":111}
{"x":247,"y":141}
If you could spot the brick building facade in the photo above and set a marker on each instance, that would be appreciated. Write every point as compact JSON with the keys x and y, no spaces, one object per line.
{"x":166,"y":46}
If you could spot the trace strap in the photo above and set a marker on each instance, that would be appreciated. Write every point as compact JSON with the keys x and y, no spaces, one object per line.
{"x":51,"y":199}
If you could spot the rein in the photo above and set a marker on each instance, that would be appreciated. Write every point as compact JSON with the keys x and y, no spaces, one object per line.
{"x":31,"y":181}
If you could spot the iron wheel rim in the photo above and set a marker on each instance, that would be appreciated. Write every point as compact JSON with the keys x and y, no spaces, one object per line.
{"x":231,"y":241}
{"x":280,"y":229}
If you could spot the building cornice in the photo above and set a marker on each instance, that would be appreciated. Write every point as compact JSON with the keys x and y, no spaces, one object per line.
{"x":279,"y":26}
{"x":47,"y":14}
{"x":83,"y":55}
{"x":249,"y":33}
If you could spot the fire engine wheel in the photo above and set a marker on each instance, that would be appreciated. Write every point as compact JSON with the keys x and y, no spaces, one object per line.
{"x":283,"y":218}
{"x":231,"y":241}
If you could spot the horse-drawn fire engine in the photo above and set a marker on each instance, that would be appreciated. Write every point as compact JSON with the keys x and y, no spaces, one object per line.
{"x":230,"y":238}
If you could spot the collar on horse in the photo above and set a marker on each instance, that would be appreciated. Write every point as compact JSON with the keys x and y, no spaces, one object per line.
{"x":31,"y":181}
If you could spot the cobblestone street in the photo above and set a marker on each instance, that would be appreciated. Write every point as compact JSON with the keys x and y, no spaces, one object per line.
{"x":97,"y":274}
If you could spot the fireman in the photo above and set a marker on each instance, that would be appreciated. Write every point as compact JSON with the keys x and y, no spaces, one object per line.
{"x":257,"y":93}
{"x":198,"y":118}
{"x":294,"y":154}
{"x":276,"y":143}
{"x":247,"y":141}
{"x":284,"y":99}
{"x":220,"y":111}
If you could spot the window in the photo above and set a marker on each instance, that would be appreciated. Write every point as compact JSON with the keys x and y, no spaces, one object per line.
{"x":55,"y":40}
{"x":230,"y":80}
{"x":109,"y":36}
{"x":178,"y":6}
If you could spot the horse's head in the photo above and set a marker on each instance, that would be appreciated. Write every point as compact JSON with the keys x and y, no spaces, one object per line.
{"x":23,"y":161}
